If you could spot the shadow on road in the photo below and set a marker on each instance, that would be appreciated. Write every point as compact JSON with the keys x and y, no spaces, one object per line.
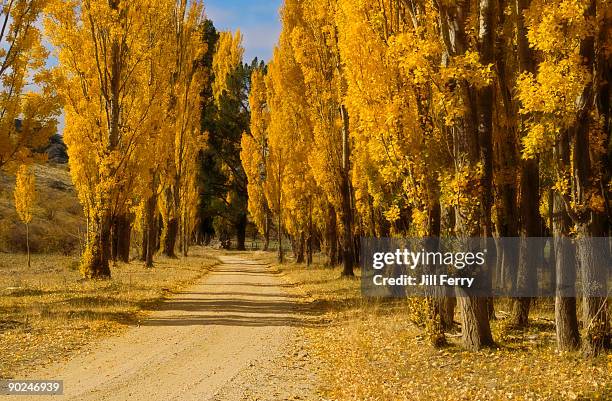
{"x":240,"y":294}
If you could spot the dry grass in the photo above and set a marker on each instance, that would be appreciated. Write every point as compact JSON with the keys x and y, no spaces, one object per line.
{"x":373,"y":351}
{"x":58,"y":223}
{"x":48,"y":312}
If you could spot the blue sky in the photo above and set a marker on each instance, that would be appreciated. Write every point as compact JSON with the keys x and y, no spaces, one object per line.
{"x":257,"y":19}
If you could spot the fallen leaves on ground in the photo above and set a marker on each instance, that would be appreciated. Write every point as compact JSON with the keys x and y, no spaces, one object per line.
{"x":371,"y":350}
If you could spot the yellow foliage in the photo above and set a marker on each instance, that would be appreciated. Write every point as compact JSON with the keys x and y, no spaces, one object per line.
{"x":28,"y":118}
{"x":25,"y":193}
{"x":254,"y":150}
{"x":130,"y":80}
{"x":228,"y":56}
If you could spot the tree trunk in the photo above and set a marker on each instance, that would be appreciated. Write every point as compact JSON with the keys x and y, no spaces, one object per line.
{"x":436,"y":301}
{"x":28,"y":244}
{"x":97,"y":254}
{"x":447,"y":312}
{"x":594,"y":260}
{"x":267,"y":223}
{"x":145,"y":242}
{"x":507,"y":157}
{"x":122,"y":235}
{"x":150,"y":230}
{"x":159,"y":226}
{"x":566,"y":319}
{"x":472,"y":142}
{"x":530,"y":224}
{"x":170,"y":233}
{"x":240,"y":227}
{"x":449,"y":302}
{"x":475,"y":328}
{"x":281,"y":254}
{"x":519,"y":317}
{"x":348,"y":257}
{"x":309,"y":241}
{"x":332,"y":237}
{"x":590,"y":222}
{"x":185,"y":235}
{"x":529,"y":184}
{"x":300,"y":248}
{"x":294,"y":246}
{"x":438,"y":304}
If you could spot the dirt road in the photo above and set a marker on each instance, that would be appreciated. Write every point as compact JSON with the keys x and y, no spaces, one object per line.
{"x":233,"y":336}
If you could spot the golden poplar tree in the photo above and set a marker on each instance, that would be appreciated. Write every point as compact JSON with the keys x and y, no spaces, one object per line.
{"x":27,"y":117}
{"x":104,"y":53}
{"x":25,"y":197}
{"x":228,"y":56}
{"x":182,"y":124}
{"x":254,"y":154}
{"x":464,"y":118}
{"x":314,"y":38}
{"x":293,"y":192}
{"x":153,"y":161}
{"x":399,"y":152}
{"x":570,"y":123}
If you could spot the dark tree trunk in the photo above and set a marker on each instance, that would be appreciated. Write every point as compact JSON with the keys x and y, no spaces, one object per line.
{"x":519,"y":317}
{"x":309,"y":240}
{"x":448,"y":302}
{"x":300,"y":248}
{"x":294,"y":247}
{"x":98,"y":252}
{"x":529,"y":184}
{"x":472,"y":142}
{"x":475,"y":328}
{"x":331,"y":236}
{"x":348,"y":257}
{"x":185,"y":235}
{"x":566,"y":319}
{"x":159,"y":232}
{"x":122,"y":235}
{"x":590,"y":222}
{"x":144,"y":244}
{"x":506,"y":210}
{"x":530,"y":224}
{"x":267,"y":225}
{"x":281,"y":253}
{"x":240,"y":226}
{"x":27,"y":226}
{"x":150,"y":230}
{"x":438,"y":304}
{"x":357,"y":249}
{"x":447,"y":312}
{"x":171,"y":232}
{"x":593,"y":261}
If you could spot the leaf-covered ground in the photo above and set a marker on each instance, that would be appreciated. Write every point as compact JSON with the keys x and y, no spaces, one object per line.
{"x":48,"y":313}
{"x":374,"y":351}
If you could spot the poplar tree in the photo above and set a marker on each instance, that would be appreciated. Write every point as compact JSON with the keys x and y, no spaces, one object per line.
{"x":25,"y":197}
{"x":28,"y":117}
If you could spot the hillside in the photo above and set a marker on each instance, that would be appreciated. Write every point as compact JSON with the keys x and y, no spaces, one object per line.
{"x":58,"y":216}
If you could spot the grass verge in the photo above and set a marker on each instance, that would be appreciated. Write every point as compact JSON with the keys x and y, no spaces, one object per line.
{"x":47,"y":313}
